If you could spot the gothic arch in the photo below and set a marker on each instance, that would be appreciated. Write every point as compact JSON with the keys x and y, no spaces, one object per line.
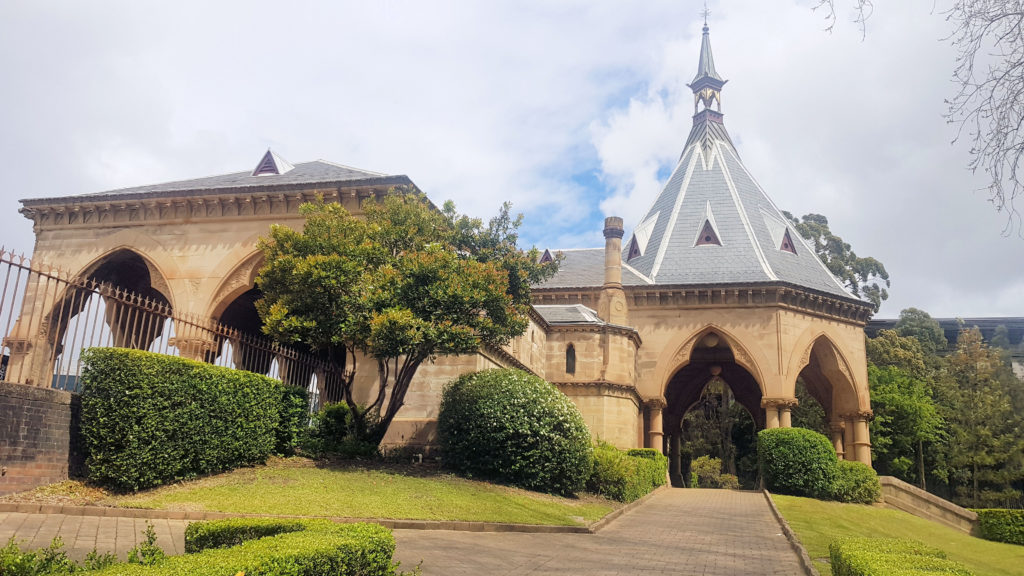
{"x":240,"y":280}
{"x":157,"y":277}
{"x":670,"y":363}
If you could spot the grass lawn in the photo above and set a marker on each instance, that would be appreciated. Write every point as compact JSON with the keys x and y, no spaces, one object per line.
{"x":296,"y":486}
{"x":816,"y":523}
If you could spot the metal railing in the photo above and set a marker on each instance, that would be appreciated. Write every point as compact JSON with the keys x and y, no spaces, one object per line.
{"x":49,"y":317}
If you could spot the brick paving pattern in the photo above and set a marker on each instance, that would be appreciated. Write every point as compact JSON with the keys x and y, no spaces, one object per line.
{"x":707,"y":532}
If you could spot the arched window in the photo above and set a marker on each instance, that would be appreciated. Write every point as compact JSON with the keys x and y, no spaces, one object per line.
{"x":570,"y":359}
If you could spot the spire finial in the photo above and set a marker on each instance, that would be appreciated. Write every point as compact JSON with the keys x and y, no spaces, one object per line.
{"x":706,"y":13}
{"x":707,"y":85}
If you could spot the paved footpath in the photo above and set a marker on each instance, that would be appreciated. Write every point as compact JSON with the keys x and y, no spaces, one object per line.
{"x":707,"y":532}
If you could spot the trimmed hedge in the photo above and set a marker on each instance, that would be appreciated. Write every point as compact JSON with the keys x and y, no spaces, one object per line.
{"x":513,"y":427}
{"x":276,"y":548}
{"x":149,"y":419}
{"x":797,"y":461}
{"x":890,"y":557}
{"x":1001,"y":525}
{"x":856,"y":482}
{"x":294,"y":419}
{"x":624,"y":476}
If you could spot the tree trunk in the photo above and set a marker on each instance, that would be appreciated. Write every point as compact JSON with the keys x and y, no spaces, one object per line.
{"x":920,"y":465}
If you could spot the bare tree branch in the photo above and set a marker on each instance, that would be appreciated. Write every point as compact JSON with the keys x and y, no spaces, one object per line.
{"x":989,"y":104}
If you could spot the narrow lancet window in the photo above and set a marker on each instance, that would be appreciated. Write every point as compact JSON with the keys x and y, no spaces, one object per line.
{"x":570,"y":359}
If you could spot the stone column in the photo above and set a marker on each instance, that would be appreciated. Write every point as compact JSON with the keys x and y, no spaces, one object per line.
{"x":656,"y":427}
{"x":786,"y":413}
{"x":194,"y":342}
{"x":771,"y":412}
{"x":847,"y":437}
{"x":861,"y":439}
{"x":835,"y":429}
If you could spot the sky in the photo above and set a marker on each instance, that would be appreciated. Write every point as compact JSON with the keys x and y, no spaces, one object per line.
{"x":572,"y":110}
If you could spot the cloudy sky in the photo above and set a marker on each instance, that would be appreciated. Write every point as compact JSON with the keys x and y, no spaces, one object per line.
{"x":571,"y":110}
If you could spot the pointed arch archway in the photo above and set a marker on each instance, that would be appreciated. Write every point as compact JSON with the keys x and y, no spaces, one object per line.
{"x":830,"y":379}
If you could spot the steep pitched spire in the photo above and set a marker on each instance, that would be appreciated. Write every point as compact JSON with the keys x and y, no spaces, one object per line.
{"x":707,"y":84}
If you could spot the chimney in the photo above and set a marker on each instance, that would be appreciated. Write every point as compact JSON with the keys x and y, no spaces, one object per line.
{"x":611,"y":306}
{"x":613,"y":252}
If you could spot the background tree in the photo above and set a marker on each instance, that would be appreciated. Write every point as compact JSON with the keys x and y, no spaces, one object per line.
{"x":864,"y":277}
{"x":920,"y":325}
{"x":988,"y":105}
{"x":403,"y":285}
{"x":906,"y":418}
{"x":985,"y":434}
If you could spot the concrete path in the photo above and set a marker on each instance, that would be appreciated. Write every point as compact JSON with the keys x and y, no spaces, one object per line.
{"x":708,"y":532}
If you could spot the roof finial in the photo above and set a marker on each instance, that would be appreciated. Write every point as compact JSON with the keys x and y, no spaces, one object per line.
{"x":707,"y":85}
{"x":706,"y":13}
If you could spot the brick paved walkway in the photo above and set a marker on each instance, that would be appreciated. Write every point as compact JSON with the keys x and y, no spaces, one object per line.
{"x":708,"y":532}
{"x":83,"y":533}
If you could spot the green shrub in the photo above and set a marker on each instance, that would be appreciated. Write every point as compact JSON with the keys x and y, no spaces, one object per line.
{"x":294,"y":419}
{"x":148,"y":419}
{"x":318,"y":547}
{"x":1001,"y":525}
{"x":46,"y":561}
{"x":856,"y":482}
{"x":513,"y":427}
{"x":649,"y":453}
{"x":708,"y":474}
{"x":620,"y":476}
{"x":333,"y":434}
{"x":201,"y":536}
{"x":889,"y":557}
{"x":796,"y":461}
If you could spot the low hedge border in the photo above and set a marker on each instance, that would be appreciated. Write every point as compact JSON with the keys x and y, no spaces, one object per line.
{"x":1001,"y":525}
{"x":625,"y":477}
{"x":890,"y":557}
{"x":276,"y":548}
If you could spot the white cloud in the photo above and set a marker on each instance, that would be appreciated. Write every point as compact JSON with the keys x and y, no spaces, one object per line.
{"x":569,"y":109}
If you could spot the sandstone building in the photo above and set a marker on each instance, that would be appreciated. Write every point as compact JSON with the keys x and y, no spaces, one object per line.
{"x":713,"y":284}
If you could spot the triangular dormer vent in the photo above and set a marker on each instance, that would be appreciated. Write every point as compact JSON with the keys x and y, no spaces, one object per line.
{"x":546,"y":257}
{"x":634,"y":249}
{"x":787,"y":243}
{"x":709,"y":231}
{"x":271,"y":164}
{"x":708,"y":235}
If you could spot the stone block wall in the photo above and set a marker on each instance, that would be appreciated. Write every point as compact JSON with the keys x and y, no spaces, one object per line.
{"x":40,"y":437}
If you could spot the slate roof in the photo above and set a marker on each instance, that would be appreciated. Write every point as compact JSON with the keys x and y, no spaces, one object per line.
{"x":568,"y":314}
{"x":305,"y":173}
{"x":709,"y":186}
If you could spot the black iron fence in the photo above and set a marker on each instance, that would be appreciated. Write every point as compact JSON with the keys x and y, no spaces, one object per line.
{"x":49,"y":317}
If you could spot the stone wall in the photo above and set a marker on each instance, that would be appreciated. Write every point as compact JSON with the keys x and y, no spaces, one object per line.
{"x":909,"y":498}
{"x":40,"y":436}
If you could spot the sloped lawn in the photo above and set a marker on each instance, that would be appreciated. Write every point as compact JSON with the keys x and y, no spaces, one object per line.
{"x":296,"y":487}
{"x":817,"y":523}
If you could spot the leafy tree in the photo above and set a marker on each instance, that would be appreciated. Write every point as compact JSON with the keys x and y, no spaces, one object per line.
{"x":403,"y":285}
{"x":986,"y":439}
{"x":989,"y":79}
{"x":864,"y":277}
{"x":889,"y":348}
{"x":906,"y":418}
{"x":920,"y":325}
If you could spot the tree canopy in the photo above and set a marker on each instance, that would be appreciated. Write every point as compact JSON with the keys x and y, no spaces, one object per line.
{"x":920,"y":325}
{"x":403,"y":284}
{"x":864,"y":277}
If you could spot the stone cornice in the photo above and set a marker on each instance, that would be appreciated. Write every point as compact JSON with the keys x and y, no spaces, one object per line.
{"x":777,"y":295}
{"x":140,"y":209}
{"x":626,"y":331}
{"x":503,"y":358}
{"x":604,"y":387}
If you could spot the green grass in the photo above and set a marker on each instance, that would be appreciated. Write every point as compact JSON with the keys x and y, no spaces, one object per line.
{"x":366,"y":492}
{"x":817,"y":523}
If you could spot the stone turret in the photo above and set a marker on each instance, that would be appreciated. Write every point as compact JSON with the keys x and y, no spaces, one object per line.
{"x":612,"y":304}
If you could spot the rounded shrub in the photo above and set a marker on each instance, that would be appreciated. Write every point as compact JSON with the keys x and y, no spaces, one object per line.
{"x":626,"y":475}
{"x":513,"y":427}
{"x":797,"y":461}
{"x":856,"y":482}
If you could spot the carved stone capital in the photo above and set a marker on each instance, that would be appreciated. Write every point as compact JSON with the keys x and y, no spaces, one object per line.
{"x":655,"y":403}
{"x":788,"y":403}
